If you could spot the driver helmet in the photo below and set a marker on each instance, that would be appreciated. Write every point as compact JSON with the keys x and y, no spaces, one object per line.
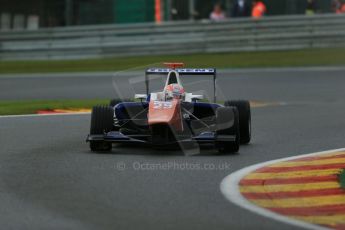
{"x":174,"y":91}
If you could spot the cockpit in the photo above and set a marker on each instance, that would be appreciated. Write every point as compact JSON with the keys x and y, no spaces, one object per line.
{"x":173,"y":88}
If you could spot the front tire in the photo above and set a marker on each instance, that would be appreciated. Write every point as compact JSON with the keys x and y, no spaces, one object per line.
{"x":243,"y":108}
{"x":223,"y":115}
{"x":102,"y":120}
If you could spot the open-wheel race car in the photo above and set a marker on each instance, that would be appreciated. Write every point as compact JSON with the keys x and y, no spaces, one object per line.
{"x":172,"y":117}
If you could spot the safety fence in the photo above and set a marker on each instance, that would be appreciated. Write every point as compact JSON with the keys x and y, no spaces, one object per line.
{"x":271,"y":33}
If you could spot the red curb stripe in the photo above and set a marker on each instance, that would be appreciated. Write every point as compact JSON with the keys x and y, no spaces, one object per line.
{"x":339,"y":226}
{"x":318,"y":158}
{"x":299,"y":194}
{"x":48,"y":112}
{"x":300,"y":168}
{"x":311,"y":211}
{"x":297,"y":180}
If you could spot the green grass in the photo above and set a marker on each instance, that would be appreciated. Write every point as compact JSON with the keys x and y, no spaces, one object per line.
{"x":31,"y":107}
{"x":341,"y":177}
{"x":315,"y":57}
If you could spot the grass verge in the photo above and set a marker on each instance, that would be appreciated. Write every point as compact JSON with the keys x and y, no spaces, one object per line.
{"x":31,"y":107}
{"x":297,"y":58}
{"x":342,"y":179}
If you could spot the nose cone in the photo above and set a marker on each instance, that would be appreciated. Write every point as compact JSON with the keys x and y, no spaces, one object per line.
{"x":165,"y":112}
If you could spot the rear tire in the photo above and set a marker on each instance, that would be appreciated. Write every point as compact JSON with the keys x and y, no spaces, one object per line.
{"x":114,"y":102}
{"x":222,"y":115}
{"x":102,"y":120}
{"x":243,"y":108}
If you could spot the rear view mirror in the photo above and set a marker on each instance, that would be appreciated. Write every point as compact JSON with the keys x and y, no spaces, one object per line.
{"x":140,"y":96}
{"x":197,"y":97}
{"x":191,"y":97}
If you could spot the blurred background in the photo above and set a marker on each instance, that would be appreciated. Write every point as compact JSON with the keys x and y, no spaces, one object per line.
{"x":31,"y":14}
{"x":100,"y":29}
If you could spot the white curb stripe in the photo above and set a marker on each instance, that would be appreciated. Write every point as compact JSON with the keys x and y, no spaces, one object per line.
{"x":230,"y":189}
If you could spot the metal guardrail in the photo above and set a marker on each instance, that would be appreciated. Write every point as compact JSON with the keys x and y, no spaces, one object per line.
{"x":271,"y":33}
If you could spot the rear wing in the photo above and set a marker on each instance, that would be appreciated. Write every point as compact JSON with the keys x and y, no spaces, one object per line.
{"x":183,"y":71}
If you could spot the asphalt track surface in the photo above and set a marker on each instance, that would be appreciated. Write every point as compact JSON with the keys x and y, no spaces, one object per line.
{"x":50,"y":180}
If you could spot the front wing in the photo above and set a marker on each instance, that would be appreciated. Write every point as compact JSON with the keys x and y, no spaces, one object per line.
{"x":118,"y":137}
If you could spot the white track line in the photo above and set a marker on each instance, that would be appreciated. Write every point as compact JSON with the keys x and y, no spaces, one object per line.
{"x":44,"y":115}
{"x":230,"y":189}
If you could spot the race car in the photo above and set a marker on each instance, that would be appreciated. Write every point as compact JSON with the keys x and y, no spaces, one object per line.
{"x":172,"y":116}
